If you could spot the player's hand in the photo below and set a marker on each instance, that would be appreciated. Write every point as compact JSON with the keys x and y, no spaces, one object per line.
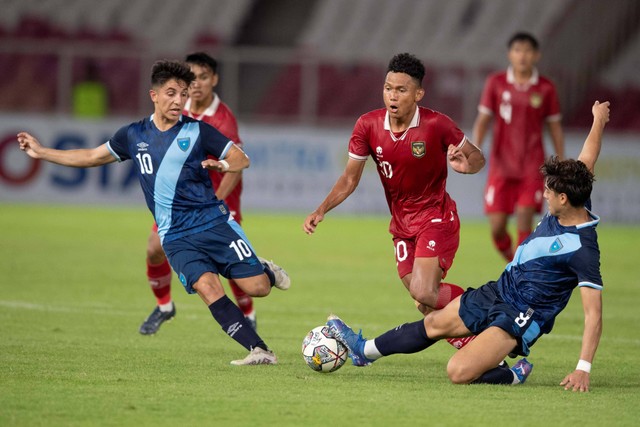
{"x":29,"y":144}
{"x":601,"y":111}
{"x":457,"y":159}
{"x":312,"y":222}
{"x":578,"y":380}
{"x":213,"y":165}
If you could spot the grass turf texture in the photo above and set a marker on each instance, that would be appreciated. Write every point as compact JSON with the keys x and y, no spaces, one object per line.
{"x":73,"y":293}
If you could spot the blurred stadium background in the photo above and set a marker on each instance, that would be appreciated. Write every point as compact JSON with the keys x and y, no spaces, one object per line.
{"x":298,"y":74}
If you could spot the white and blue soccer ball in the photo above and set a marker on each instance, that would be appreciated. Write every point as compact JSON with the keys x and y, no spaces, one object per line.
{"x":322,"y":352}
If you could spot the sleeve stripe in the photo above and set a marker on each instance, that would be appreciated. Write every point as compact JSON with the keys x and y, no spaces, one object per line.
{"x":113,"y":153}
{"x":464,"y":141}
{"x":590,"y":285}
{"x":554,"y":118}
{"x":357,"y":157}
{"x":226,"y":150}
{"x":485,"y":110}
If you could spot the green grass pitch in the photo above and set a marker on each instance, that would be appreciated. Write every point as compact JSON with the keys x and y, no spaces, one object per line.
{"x":73,"y":293}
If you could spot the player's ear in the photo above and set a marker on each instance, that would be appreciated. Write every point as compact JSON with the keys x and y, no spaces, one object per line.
{"x":214,"y":80}
{"x":419,"y":94}
{"x":153,"y":95}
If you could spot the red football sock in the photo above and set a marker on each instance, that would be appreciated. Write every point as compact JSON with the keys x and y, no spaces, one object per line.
{"x":504,"y":247}
{"x":449,"y":292}
{"x":522,"y":235}
{"x":244,"y":301}
{"x":159,"y":276}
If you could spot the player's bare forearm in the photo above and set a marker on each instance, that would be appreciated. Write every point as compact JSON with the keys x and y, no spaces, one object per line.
{"x":557,"y":137}
{"x":229,"y":181}
{"x":579,"y":379}
{"x":593,"y":143}
{"x":82,"y":158}
{"x":480,"y":127}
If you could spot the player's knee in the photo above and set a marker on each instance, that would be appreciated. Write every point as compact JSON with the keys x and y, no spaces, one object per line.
{"x":155,"y":254}
{"x":258,"y":287}
{"x":459,"y":373}
{"x":424,"y":295}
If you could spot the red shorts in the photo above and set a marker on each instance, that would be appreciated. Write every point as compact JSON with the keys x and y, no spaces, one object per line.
{"x":436,"y":239}
{"x":502,"y":195}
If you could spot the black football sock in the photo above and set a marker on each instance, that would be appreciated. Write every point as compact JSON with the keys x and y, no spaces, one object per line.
{"x":234,"y":324}
{"x":406,"y":339}
{"x":499,"y":375}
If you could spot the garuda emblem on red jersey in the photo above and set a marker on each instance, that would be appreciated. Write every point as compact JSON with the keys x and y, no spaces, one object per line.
{"x":418,"y":149}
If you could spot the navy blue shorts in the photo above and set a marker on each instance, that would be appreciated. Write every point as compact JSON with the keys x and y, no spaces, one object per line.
{"x":483,"y":307}
{"x":223,"y":249}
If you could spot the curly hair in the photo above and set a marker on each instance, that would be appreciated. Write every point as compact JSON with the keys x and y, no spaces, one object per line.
{"x":571,"y":177}
{"x":165,"y":70}
{"x":408,"y":64}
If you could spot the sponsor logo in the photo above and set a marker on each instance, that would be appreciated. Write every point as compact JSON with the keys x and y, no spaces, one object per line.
{"x":432,"y":245}
{"x":418,"y":149}
{"x":142,"y":146}
{"x":183,"y":279}
{"x":184,"y":143}
{"x":535,"y":100}
{"x":378,"y":150}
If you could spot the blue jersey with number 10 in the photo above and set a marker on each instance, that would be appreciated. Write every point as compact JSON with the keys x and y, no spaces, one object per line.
{"x":178,"y":191}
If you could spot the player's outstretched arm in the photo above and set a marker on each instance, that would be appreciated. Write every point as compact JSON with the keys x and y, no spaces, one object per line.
{"x":344,"y":186}
{"x":235,"y":161}
{"x":593,"y":143}
{"x":82,"y":158}
{"x":579,"y":379}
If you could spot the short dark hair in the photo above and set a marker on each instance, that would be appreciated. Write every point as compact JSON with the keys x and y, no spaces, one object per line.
{"x":408,"y":64}
{"x":203,"y":60}
{"x":165,"y":70}
{"x":524,"y":37}
{"x":571,"y":177}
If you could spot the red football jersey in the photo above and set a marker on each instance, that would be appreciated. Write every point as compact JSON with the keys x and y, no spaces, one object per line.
{"x":412,"y":165}
{"x":519,"y":114}
{"x":220,"y":116}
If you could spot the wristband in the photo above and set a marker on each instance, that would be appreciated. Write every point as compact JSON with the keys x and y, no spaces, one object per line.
{"x":583,"y":365}
{"x":225,"y":165}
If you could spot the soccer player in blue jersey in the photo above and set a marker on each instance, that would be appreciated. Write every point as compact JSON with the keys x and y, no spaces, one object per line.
{"x":197,"y":233}
{"x":510,"y":314}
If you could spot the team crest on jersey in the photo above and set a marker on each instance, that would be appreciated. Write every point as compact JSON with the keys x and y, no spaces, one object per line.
{"x":535,"y":100}
{"x":184,"y":143}
{"x":418,"y":149}
{"x":555,"y":246}
{"x":142,"y":146}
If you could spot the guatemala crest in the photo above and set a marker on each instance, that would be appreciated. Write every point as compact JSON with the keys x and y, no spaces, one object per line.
{"x":555,"y":246}
{"x":184,"y":143}
{"x":418,"y":149}
{"x":535,"y":100}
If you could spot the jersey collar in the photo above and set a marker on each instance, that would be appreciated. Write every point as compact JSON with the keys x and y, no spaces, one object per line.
{"x":533,"y":80}
{"x":210,"y":111}
{"x":415,"y":122}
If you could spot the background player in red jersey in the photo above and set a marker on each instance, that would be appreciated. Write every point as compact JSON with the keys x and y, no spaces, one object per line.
{"x":411,"y":147}
{"x":521,"y":101}
{"x":203,"y":104}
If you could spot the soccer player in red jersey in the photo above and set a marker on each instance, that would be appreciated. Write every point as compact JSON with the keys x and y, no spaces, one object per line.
{"x":411,"y":147}
{"x":203,"y":104}
{"x":521,"y":101}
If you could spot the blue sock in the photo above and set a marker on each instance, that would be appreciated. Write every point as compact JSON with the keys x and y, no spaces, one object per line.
{"x":234,"y":324}
{"x":405,"y":339}
{"x":498,"y":375}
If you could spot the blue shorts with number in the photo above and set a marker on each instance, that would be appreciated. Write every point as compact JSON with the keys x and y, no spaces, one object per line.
{"x":223,"y":249}
{"x":483,"y":307}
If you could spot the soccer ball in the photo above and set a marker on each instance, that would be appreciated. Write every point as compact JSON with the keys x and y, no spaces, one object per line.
{"x":322,"y":352}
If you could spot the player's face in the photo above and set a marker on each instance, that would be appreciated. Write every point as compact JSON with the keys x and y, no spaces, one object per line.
{"x":554,"y":200}
{"x":401,"y":93}
{"x":523,"y":57}
{"x":169,"y":100}
{"x":201,"y":90}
